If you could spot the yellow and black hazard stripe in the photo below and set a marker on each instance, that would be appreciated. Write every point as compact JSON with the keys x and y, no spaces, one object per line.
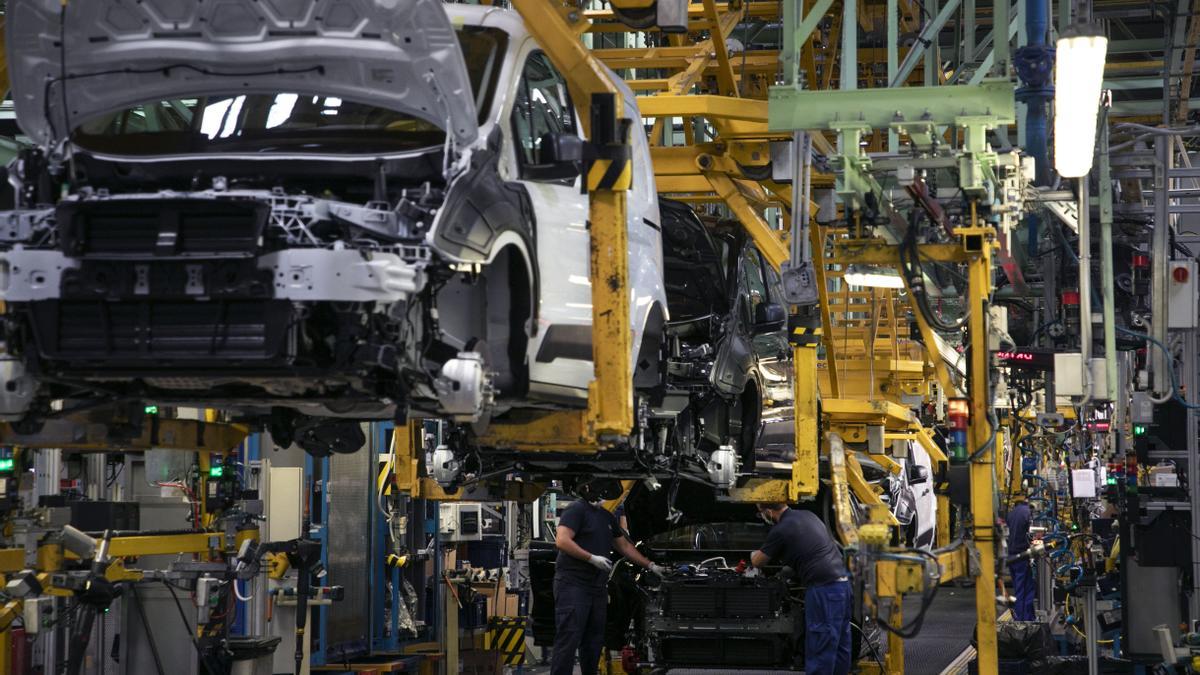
{"x":506,"y":634}
{"x":804,"y":332}
{"x":610,"y":169}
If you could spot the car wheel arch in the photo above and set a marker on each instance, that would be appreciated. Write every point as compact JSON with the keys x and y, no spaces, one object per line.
{"x":653,"y":324}
{"x":518,"y":284}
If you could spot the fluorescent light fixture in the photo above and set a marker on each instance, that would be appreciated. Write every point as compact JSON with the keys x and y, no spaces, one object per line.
{"x":1078,"y":77}
{"x":873,"y":278}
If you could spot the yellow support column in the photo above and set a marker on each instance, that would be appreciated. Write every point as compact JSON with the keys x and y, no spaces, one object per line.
{"x":895,"y":653}
{"x":610,"y":395}
{"x":943,"y":521}
{"x":407,"y":441}
{"x":843,"y":508}
{"x":981,"y":441}
{"x":806,"y":464}
{"x":770,"y":242}
{"x":557,"y":28}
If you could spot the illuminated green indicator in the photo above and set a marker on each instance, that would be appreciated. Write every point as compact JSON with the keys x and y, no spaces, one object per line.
{"x":1139,"y":429}
{"x":6,"y":464}
{"x":216,"y":471}
{"x":151,"y":410}
{"x":1112,"y":481}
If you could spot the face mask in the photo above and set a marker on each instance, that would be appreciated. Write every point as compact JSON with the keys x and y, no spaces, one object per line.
{"x":766,"y":517}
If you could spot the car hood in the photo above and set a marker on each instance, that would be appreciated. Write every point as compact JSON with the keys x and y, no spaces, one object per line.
{"x":402,"y":55}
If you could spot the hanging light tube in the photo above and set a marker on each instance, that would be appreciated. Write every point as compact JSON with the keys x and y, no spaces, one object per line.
{"x":1078,"y":78}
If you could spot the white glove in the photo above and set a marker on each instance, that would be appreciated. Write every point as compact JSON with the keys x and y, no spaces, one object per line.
{"x":601,"y":563}
{"x":656,"y":570}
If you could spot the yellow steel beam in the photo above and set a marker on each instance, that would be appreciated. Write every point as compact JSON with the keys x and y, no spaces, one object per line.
{"x":866,"y":494}
{"x":930,"y":339}
{"x":116,"y":572}
{"x":817,"y":244}
{"x":876,"y":252}
{"x":726,"y":84}
{"x":12,"y":560}
{"x":566,"y":431}
{"x":705,"y":105}
{"x":983,"y":478}
{"x":557,"y":27}
{"x":943,"y":520}
{"x":770,"y":242}
{"x":905,"y":367}
{"x":693,"y":60}
{"x":839,"y":482}
{"x":806,"y":464}
{"x":762,"y":491}
{"x":890,"y":415}
{"x":1015,"y":470}
{"x":679,"y":58}
{"x":887,"y":462}
{"x":407,"y":442}
{"x":79,"y":432}
{"x":931,"y":448}
{"x":8,"y":614}
{"x":686,"y":160}
{"x":697,"y":184}
{"x":896,"y":578}
{"x":955,"y":563}
{"x":162,"y":544}
{"x":6,"y":646}
{"x":200,"y":542}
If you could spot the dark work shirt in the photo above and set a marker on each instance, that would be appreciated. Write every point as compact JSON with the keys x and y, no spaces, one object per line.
{"x":594,"y":530}
{"x":1018,"y":528}
{"x":801,"y":541}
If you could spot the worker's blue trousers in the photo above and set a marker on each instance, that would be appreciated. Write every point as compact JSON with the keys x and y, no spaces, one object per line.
{"x":827,"y":629}
{"x":1023,"y":588}
{"x":579,"y":615}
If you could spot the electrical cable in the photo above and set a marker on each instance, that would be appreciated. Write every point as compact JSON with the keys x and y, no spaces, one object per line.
{"x":137,"y":603}
{"x":867,"y":641}
{"x":910,"y":266}
{"x":1176,"y":394}
{"x":994,"y":423}
{"x":182,"y":616}
{"x":913,"y":627}
{"x":238,"y":594}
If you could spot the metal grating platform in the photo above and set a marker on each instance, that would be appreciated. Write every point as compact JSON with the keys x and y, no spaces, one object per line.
{"x":945,"y":634}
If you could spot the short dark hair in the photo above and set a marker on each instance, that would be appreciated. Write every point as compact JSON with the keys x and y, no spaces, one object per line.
{"x":771,"y":506}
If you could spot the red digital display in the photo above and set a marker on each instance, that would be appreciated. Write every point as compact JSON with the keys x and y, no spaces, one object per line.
{"x":1026,"y":359}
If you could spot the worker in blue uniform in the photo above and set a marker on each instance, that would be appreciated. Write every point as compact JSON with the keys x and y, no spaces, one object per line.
{"x":1019,"y":565}
{"x":800,"y":540}
{"x":586,"y":537}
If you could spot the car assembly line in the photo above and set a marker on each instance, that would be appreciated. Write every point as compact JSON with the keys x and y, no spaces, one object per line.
{"x":624,"y":336}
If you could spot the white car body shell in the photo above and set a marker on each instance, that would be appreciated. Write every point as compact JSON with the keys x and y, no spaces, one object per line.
{"x":565,"y":293}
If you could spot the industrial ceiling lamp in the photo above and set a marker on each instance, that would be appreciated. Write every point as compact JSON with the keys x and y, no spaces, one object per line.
{"x":873,"y":276}
{"x":1077,"y":82}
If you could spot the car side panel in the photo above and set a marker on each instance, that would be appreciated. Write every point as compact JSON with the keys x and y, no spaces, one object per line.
{"x":925,"y":498}
{"x":559,"y":354}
